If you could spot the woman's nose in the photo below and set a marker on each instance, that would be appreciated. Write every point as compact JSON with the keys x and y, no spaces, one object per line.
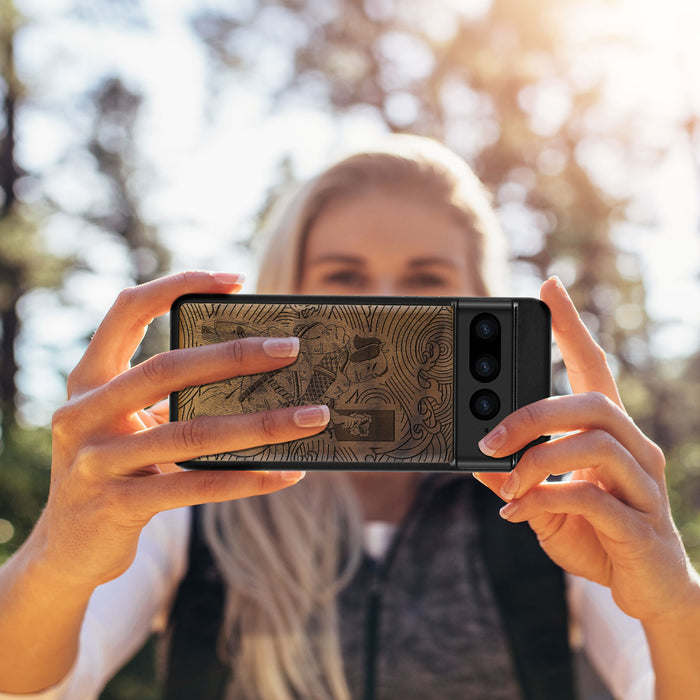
{"x":385,"y":287}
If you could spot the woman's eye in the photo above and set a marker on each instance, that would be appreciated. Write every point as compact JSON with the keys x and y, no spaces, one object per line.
{"x":426,"y":281}
{"x":348,"y":278}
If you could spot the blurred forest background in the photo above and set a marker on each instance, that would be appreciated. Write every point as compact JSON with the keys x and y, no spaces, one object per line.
{"x":586,"y":130}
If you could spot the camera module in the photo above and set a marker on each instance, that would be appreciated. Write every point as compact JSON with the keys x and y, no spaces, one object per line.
{"x":485,"y":404}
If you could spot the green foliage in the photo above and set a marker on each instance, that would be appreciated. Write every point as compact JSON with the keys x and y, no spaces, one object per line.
{"x":680,"y":412}
{"x":21,"y":248}
{"x":136,"y":680}
{"x":25,"y":460}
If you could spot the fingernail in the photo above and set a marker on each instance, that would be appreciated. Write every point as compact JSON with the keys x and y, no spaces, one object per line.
{"x":229,"y":277}
{"x":490,"y":444}
{"x":292,"y":476}
{"x":510,"y":486}
{"x":281,"y":347}
{"x":508,"y":510}
{"x":559,"y":284}
{"x":312,"y":416}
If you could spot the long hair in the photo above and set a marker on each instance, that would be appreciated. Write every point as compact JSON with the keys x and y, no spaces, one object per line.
{"x":284,"y":556}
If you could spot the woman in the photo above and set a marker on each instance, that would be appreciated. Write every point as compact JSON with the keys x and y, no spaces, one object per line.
{"x":289,"y":576}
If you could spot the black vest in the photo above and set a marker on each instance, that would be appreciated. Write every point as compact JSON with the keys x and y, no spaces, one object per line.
{"x":527,"y":586}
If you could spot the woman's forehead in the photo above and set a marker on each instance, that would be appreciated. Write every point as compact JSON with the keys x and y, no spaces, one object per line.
{"x":346,"y":231}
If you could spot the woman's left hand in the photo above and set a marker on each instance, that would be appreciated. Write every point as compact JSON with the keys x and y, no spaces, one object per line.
{"x":611,"y":522}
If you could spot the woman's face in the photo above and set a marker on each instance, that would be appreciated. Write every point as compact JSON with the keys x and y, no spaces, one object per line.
{"x":386,"y":244}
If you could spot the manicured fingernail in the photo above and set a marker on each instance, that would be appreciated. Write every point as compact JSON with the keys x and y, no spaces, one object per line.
{"x":281,"y":347}
{"x":312,"y":416}
{"x":491,"y":443}
{"x":292,"y":476}
{"x":229,"y":277}
{"x":510,"y":487}
{"x":508,"y":510}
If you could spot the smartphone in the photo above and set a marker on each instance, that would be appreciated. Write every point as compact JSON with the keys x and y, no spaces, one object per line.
{"x":412,"y":383}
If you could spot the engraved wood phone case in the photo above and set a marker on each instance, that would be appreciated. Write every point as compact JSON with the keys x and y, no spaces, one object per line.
{"x":386,"y":372}
{"x":400,"y":375}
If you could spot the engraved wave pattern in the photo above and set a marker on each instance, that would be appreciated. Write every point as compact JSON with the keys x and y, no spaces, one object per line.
{"x":423,"y":384}
{"x":417,"y":383}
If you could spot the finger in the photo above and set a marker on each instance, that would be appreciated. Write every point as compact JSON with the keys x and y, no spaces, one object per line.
{"x":125,"y":324}
{"x":159,"y":413}
{"x":186,"y":440}
{"x":563,"y":414}
{"x":152,"y":494}
{"x":604,"y":512}
{"x":613,"y":466}
{"x":162,"y":374}
{"x":586,"y":363}
{"x":491,"y":480}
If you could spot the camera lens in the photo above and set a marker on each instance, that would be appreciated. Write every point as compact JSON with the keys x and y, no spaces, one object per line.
{"x":485,"y":367}
{"x":485,"y":404}
{"x":486,"y":327}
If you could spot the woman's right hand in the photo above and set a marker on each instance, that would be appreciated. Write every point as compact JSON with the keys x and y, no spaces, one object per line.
{"x":113,"y":459}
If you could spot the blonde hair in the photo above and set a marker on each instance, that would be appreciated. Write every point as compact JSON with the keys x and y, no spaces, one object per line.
{"x":285,"y":556}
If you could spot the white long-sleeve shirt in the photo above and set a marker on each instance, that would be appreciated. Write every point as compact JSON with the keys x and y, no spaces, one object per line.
{"x":123,"y":613}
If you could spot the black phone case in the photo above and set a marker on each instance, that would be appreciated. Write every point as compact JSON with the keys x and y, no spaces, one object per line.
{"x":409,"y":381}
